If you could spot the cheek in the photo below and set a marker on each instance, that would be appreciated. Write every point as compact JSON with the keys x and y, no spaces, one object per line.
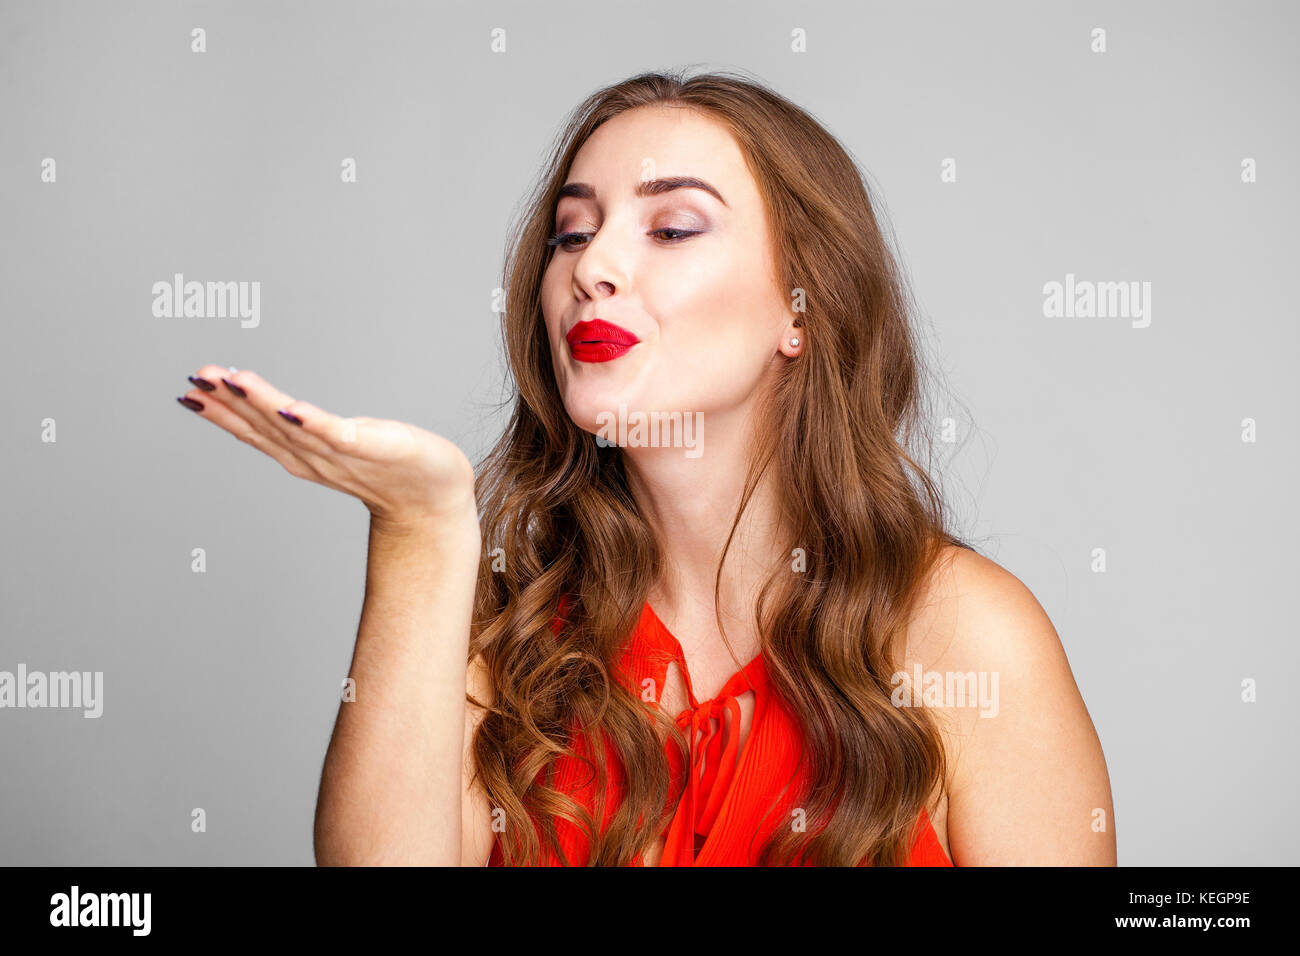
{"x":552,"y":283}
{"x":721,"y":297}
{"x":715,"y":327}
{"x":551,"y":298}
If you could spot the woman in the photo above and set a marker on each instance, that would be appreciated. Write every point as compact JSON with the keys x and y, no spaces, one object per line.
{"x":704,"y":255}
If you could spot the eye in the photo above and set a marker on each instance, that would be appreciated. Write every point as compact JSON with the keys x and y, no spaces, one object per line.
{"x":561,"y":240}
{"x":566,"y":240}
{"x":680,"y":233}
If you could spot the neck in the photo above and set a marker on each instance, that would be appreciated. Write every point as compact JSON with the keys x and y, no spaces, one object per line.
{"x":690,"y":505}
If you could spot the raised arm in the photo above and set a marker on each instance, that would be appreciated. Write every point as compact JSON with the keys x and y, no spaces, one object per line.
{"x":394,"y":775}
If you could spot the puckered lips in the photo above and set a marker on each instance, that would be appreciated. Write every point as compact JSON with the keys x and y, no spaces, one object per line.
{"x":599,"y":341}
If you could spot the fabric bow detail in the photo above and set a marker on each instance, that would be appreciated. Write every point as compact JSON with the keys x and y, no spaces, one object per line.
{"x":713,"y":758}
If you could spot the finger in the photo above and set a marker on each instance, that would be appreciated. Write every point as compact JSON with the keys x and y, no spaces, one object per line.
{"x":219,"y":414}
{"x":216,"y":382}
{"x":264,"y":401}
{"x":320,"y":432}
{"x":336,"y":435}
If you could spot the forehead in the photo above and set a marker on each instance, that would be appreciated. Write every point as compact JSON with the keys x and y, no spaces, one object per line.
{"x":651,"y":142}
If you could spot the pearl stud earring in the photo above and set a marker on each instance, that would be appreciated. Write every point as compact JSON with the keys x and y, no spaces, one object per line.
{"x":794,"y":341}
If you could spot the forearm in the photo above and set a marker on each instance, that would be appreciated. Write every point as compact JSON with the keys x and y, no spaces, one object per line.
{"x":391,"y":785}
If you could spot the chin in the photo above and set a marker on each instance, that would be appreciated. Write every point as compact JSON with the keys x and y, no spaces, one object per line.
{"x":590,"y":405}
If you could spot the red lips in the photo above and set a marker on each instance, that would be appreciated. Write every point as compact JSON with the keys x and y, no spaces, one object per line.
{"x":599,"y":341}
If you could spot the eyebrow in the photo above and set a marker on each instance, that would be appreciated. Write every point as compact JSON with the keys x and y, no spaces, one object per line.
{"x":650,"y":187}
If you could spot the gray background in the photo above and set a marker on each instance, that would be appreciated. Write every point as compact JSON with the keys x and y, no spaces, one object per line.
{"x":221,"y":688}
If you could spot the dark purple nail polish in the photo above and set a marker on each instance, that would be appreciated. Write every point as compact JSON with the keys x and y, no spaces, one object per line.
{"x":203,"y":383}
{"x":235,"y":388}
{"x":293,"y":418}
{"x":191,"y":403}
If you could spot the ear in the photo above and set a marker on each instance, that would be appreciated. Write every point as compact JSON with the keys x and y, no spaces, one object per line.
{"x":792,"y":340}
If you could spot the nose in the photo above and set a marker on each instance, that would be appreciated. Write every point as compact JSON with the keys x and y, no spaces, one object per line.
{"x":599,"y":271}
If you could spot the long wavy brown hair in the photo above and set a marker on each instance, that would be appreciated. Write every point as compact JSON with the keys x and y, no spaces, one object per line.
{"x":558,"y":520}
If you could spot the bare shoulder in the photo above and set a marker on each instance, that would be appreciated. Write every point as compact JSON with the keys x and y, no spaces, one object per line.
{"x":974,"y":611}
{"x":1027,"y":778}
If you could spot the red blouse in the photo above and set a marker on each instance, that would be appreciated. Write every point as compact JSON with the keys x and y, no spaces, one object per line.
{"x":725,"y":813}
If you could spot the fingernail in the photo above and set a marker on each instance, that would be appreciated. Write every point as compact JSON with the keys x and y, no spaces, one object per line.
{"x":293,"y":418}
{"x":203,"y":383}
{"x":235,"y":388}
{"x":191,"y":403}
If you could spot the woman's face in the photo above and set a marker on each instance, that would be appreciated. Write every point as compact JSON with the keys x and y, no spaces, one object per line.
{"x":688,"y":273}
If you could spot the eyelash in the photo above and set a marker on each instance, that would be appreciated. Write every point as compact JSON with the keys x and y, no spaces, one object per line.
{"x":560,"y":240}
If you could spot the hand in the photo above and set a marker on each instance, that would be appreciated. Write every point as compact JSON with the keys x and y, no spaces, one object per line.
{"x":403,"y":474}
